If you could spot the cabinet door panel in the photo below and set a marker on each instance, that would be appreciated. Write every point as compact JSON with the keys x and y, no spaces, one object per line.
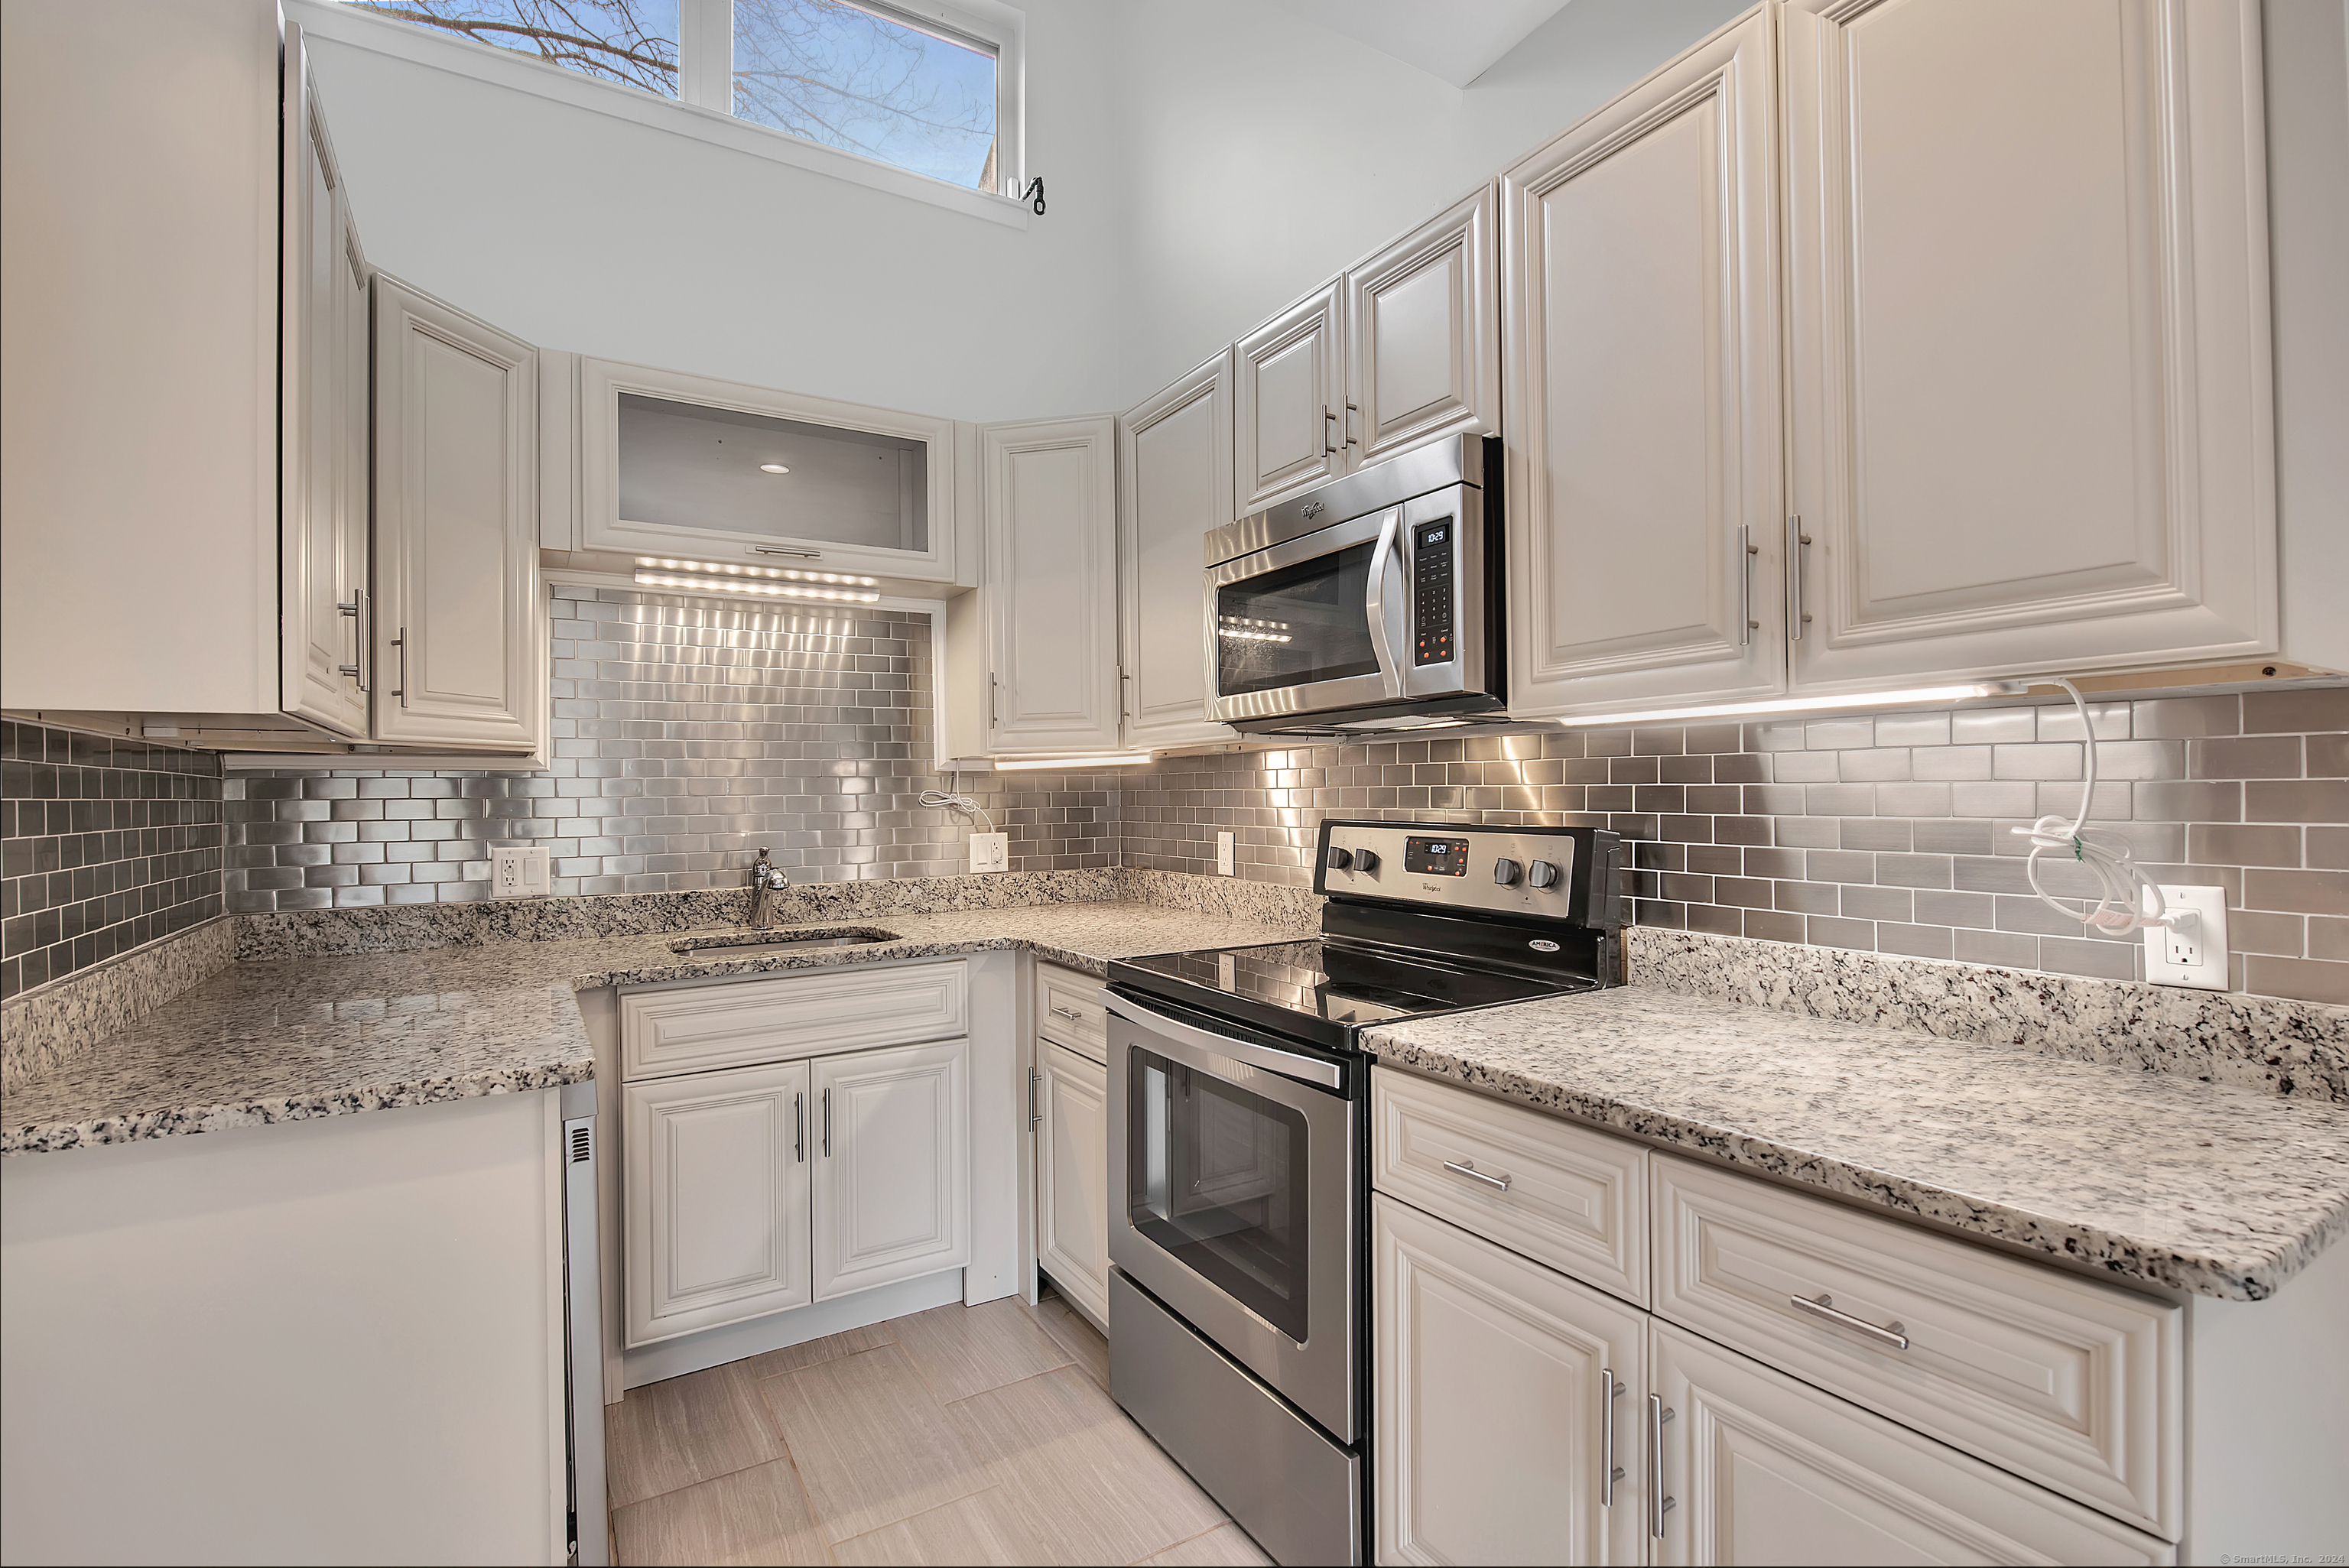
{"x":2029,"y":347}
{"x":1642,"y":404}
{"x":1288,"y":373}
{"x":1764,"y":1469}
{"x":322,"y":482}
{"x":1051,"y":586}
{"x":1493,"y":1404}
{"x":890,"y":1152}
{"x":1174,"y":485}
{"x":1423,"y":343}
{"x":1072,"y":1176}
{"x":716,"y":1213}
{"x":459,"y":631}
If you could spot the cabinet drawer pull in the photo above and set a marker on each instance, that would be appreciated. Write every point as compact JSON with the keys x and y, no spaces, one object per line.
{"x":798,"y":1128}
{"x":1824,"y":1309}
{"x":1034,"y":1116}
{"x":827,"y":1124}
{"x":793,"y":554}
{"x":1609,"y":1472}
{"x":1071,"y":1014}
{"x":1659,"y":1505}
{"x":1468,"y":1168}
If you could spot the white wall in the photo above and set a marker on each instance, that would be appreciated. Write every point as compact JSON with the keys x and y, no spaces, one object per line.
{"x":1206,"y":160}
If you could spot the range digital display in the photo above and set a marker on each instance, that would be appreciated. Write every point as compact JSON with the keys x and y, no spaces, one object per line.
{"x":1435,"y":857}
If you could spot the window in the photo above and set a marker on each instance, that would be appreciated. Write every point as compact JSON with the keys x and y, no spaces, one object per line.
{"x":926,"y":88}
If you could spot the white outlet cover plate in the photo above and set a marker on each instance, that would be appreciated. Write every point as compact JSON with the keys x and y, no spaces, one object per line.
{"x":2193,"y":954}
{"x":518,"y":872}
{"x":990,"y":851}
{"x":1223,"y":854}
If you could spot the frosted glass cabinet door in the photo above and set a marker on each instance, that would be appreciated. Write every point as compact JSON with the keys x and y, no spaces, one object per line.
{"x":2027,"y":276}
{"x":322,"y":406}
{"x":1495,"y":1413}
{"x":1641,"y":400}
{"x":459,"y":623}
{"x":1174,"y":485}
{"x":686,"y":467}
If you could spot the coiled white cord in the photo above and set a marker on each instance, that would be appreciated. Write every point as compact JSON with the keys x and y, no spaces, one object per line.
{"x":2129,"y":901}
{"x":941,"y":800}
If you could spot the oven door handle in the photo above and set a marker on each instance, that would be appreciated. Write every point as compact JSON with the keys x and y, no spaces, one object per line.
{"x":1304,"y":1069}
{"x":1385,"y":608}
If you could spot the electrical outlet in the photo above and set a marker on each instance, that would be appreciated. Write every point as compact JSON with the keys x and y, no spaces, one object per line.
{"x":1223,"y":854}
{"x":2194,"y":951}
{"x":990,"y":851}
{"x":518,"y":872}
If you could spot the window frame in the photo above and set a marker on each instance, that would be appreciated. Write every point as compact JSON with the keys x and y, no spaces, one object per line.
{"x":705,"y":59}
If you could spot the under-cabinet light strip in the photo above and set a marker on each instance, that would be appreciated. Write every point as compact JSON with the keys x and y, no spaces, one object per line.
{"x":1801,"y":703}
{"x":729,"y":569}
{"x":752,"y":585}
{"x":1100,"y":759}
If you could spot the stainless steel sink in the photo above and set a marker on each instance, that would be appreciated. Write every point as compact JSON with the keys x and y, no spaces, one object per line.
{"x":750,"y":943}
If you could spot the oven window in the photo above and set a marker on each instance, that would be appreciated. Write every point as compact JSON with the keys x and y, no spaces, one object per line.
{"x":1217,"y":1179}
{"x":1302,"y":624}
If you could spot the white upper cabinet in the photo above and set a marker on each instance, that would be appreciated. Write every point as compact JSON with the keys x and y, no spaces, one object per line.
{"x":1642,"y":404}
{"x":459,"y":619}
{"x":1050,"y":605}
{"x":1288,"y":393}
{"x":683,"y":465}
{"x":1423,"y":322}
{"x":2028,"y":336}
{"x":1174,"y":486}
{"x":323,"y":445}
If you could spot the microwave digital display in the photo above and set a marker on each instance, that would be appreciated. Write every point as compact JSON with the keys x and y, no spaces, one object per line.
{"x":1436,"y":857}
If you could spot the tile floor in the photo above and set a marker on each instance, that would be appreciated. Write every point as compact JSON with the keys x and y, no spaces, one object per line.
{"x":957,"y":1435}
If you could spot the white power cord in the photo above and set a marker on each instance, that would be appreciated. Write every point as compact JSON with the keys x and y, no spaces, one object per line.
{"x":2129,"y":901}
{"x":941,"y":800}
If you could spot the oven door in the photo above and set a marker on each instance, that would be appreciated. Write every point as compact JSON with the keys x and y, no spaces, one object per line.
{"x":1380,"y":608}
{"x":1232,"y":1177}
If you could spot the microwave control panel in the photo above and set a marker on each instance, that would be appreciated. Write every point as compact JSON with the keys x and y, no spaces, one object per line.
{"x":1432,"y":608}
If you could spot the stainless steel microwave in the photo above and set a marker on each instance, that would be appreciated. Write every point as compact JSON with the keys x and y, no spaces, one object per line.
{"x":1369,"y":604}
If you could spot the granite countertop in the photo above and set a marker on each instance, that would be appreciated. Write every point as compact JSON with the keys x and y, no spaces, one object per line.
{"x":2145,"y":1177}
{"x":290,"y":1039}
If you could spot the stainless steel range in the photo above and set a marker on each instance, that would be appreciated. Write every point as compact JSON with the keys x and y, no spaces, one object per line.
{"x":1239,"y":1186}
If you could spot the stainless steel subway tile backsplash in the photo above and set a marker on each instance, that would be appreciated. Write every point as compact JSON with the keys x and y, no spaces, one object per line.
{"x":688,"y":735}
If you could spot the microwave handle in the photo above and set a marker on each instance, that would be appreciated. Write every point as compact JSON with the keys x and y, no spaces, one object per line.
{"x":1387,"y":609}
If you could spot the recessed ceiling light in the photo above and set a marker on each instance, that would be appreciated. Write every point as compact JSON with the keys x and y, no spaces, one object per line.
{"x":772,"y":468}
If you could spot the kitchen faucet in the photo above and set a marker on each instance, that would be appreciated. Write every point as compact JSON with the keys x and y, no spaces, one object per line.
{"x":767,"y":880}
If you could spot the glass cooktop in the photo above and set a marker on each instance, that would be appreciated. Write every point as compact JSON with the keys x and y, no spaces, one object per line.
{"x":1290,"y":985}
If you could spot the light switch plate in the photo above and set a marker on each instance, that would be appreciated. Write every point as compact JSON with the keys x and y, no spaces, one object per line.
{"x":1223,"y":854}
{"x":990,"y":851}
{"x":2194,"y":953}
{"x":518,"y":872}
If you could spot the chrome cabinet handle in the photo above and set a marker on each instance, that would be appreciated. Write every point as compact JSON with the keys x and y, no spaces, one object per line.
{"x":798,"y":1128}
{"x":1329,"y":431}
{"x":400,"y":642}
{"x":1798,"y":558}
{"x":1746,"y":551}
{"x":1034,"y":1116}
{"x":1609,"y":1472}
{"x":827,"y":1124}
{"x":795,"y":554}
{"x":1659,"y":1505}
{"x":1468,"y":1168}
{"x":1824,"y":1309}
{"x":1386,"y":611}
{"x":994,"y":686}
{"x":1071,"y":1014}
{"x":1352,"y":408}
{"x":356,"y":611}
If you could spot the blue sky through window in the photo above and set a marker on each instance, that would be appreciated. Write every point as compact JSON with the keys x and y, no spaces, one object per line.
{"x":630,"y":41}
{"x":865,"y":82}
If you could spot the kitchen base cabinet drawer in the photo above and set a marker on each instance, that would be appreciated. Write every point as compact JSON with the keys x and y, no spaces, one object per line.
{"x":2073,"y":1384}
{"x":1574,"y":1199}
{"x":1068,"y":1011}
{"x":694,"y":1028}
{"x":1760,"y":1467}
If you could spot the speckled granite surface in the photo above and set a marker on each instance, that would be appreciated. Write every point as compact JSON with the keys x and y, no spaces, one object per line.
{"x":2148,"y":1177}
{"x":2297,"y":1050}
{"x":44,"y":1028}
{"x":290,"y":1039}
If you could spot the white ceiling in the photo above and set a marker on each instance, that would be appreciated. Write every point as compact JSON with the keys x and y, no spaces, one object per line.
{"x":1456,"y":40}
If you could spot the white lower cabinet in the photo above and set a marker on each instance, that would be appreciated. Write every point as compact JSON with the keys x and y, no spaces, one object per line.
{"x":717,"y":1199}
{"x":1071,"y":1121}
{"x":1760,"y":1467}
{"x":1497,"y":1429}
{"x":753,"y":1190}
{"x":890,"y":1197}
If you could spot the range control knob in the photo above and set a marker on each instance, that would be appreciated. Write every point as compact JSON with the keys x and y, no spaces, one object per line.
{"x":1541,"y":873}
{"x":1340,"y":859}
{"x":1366,"y":861}
{"x":1505,"y":872}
